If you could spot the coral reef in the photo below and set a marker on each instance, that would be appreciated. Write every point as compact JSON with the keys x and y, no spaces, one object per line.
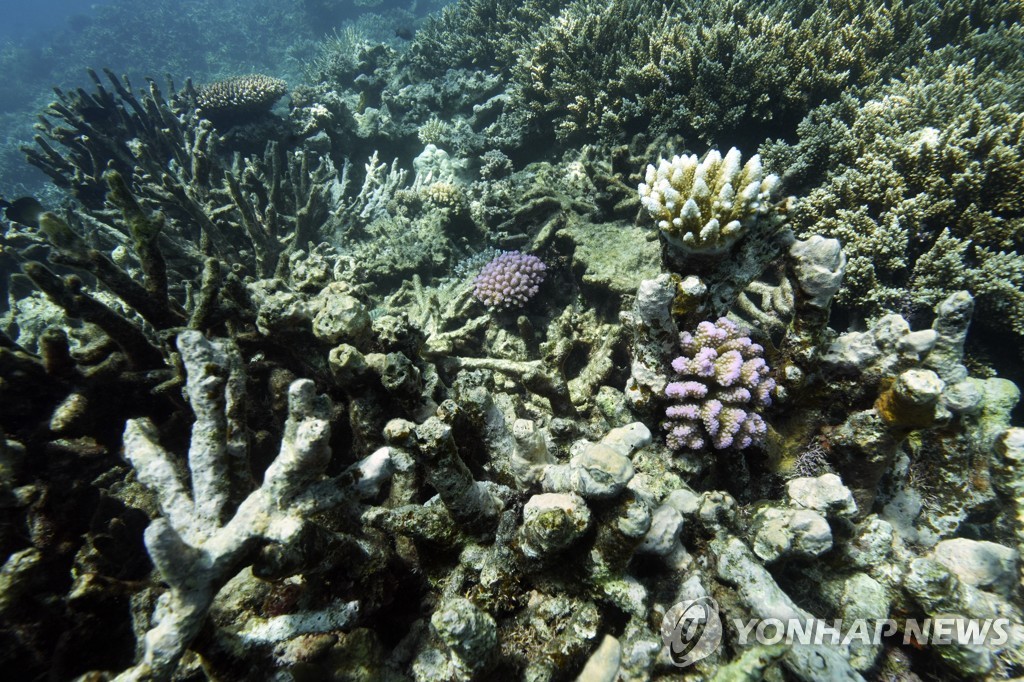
{"x":425,"y":374}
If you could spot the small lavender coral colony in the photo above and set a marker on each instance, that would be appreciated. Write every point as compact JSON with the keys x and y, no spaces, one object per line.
{"x":510,"y":280}
{"x":722,"y":381}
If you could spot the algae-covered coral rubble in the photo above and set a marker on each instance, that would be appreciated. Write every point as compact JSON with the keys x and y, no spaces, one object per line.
{"x":482,"y":353}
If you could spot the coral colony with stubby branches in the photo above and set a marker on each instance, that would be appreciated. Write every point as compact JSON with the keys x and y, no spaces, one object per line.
{"x":509,"y":280}
{"x":721,"y":382}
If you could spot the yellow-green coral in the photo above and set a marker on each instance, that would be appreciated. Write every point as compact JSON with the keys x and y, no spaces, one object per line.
{"x":435,"y":131}
{"x":478,"y":34}
{"x":933,"y":200}
{"x":709,"y":69}
{"x":446,"y":195}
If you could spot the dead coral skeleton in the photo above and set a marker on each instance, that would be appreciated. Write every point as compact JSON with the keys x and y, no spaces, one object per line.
{"x":442,"y":313}
{"x":199,"y":544}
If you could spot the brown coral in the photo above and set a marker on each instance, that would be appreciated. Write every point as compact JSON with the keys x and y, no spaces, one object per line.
{"x":239,"y":97}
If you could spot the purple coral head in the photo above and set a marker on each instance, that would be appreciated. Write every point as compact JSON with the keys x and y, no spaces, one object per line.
{"x":510,"y":280}
{"x":721,"y":384}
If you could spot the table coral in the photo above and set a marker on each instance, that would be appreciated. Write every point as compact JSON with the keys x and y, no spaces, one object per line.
{"x":239,"y":97}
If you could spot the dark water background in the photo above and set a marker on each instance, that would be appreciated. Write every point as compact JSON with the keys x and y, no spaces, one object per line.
{"x":49,"y":43}
{"x":28,"y":20}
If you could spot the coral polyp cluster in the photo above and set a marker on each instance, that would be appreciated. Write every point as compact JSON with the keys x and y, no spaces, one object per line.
{"x":708,"y":204}
{"x":510,"y":280}
{"x":722,"y":383}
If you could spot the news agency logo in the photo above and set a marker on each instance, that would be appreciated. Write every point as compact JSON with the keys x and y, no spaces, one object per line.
{"x":692,"y":630}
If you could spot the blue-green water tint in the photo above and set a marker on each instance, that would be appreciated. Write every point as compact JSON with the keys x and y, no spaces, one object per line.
{"x":530,"y":489}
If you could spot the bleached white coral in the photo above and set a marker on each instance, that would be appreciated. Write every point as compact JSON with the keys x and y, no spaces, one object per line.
{"x":434,"y":165}
{"x":706,"y":205}
{"x":203,"y":539}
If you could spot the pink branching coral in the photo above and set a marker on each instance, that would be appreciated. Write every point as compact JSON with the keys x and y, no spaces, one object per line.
{"x":510,"y":280}
{"x":722,"y":380}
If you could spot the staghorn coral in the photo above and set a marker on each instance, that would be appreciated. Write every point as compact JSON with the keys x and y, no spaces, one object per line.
{"x":88,"y":131}
{"x":195,"y":546}
{"x":170,"y":166}
{"x":706,"y":205}
{"x":252,"y":210}
{"x":722,"y":380}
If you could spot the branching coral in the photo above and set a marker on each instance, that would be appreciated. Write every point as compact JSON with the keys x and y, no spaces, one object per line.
{"x":722,"y":380}
{"x":478,"y":33}
{"x":707,"y":69}
{"x":170,"y":165}
{"x":573,"y":71}
{"x":932,"y":202}
{"x":203,"y":538}
{"x":707,"y":205}
{"x":251,"y":209}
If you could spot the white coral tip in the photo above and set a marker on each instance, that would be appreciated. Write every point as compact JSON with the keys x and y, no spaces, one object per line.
{"x":730,"y":164}
{"x":700,"y":189}
{"x":690,"y":210}
{"x":752,"y":170}
{"x":710,"y":231}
